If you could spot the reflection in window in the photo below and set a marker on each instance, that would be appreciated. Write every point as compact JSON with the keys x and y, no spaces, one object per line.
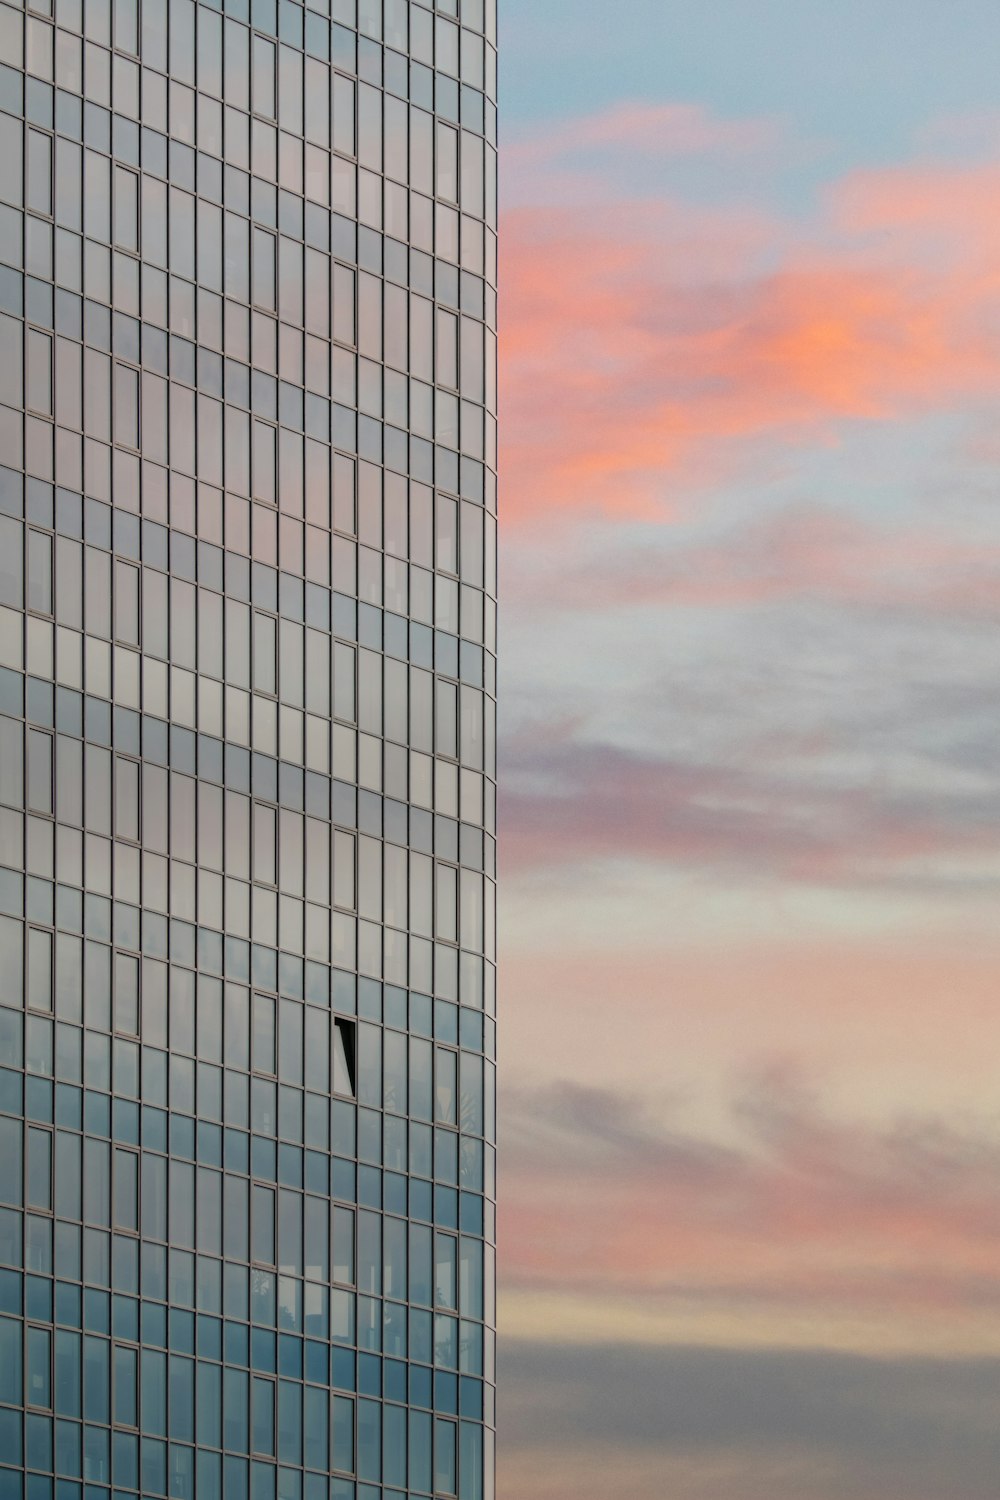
{"x":126,"y":994}
{"x":39,"y":382}
{"x":263,"y":1416}
{"x":263,"y":1226}
{"x":444,"y":1456}
{"x":39,"y":969}
{"x":125,"y":1405}
{"x":445,"y":1089}
{"x":126,"y":406}
{"x":126,"y":1189}
{"x":38,"y":1367}
{"x":176,"y":662}
{"x":264,"y":273}
{"x":264,"y":1035}
{"x":126,"y":189}
{"x":39,"y":172}
{"x":39,"y":1168}
{"x":445,"y":1260}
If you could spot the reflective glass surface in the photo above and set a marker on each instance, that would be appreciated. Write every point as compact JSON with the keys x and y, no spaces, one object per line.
{"x":247,"y":749}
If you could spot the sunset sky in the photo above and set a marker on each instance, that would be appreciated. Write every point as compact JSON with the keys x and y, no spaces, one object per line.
{"x":751,"y":821}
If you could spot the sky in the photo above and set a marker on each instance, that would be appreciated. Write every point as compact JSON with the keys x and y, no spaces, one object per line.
{"x":750,"y":814}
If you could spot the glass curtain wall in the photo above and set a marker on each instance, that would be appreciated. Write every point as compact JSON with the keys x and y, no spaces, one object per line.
{"x":247,"y":749}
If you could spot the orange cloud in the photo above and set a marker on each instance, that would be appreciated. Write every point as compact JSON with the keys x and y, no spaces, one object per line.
{"x":651,"y":347}
{"x":937,"y":208}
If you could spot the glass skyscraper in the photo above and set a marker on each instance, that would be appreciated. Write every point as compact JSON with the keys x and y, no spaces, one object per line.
{"x":247,"y":766}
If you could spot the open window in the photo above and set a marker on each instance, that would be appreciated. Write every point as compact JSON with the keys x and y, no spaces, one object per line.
{"x":344,"y":1058}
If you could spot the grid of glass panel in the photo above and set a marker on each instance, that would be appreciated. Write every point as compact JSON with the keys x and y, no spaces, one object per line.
{"x":247,"y":748}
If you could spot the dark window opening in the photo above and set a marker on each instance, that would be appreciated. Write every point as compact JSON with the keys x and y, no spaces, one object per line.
{"x":344,"y":1058}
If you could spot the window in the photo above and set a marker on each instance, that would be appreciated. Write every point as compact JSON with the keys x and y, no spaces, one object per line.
{"x":126,"y":187}
{"x":445,"y":1260}
{"x":264,"y":1035}
{"x":40,"y":572}
{"x":39,"y":969}
{"x":264,"y":269}
{"x":125,"y":1386}
{"x":38,"y":1175}
{"x":126,"y":994}
{"x":39,"y":372}
{"x":39,"y":172}
{"x":126,"y":406}
{"x":38,"y":1367}
{"x":126,"y":1190}
{"x":446,"y":1087}
{"x":262,"y":1396}
{"x":344,"y":1077}
{"x":262,"y":1232}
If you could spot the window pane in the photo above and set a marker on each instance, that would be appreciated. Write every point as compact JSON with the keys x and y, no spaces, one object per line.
{"x":38,"y":1372}
{"x":263,"y":1226}
{"x":125,"y":1411}
{"x":39,"y":1174}
{"x":264,"y":1041}
{"x":263,"y":1416}
{"x":445,"y":1087}
{"x":39,"y":969}
{"x":39,"y":173}
{"x":126,"y":1190}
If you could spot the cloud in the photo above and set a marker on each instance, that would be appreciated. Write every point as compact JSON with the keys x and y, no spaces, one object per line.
{"x":784,"y":1205}
{"x":790,"y":685}
{"x":877,"y":1004}
{"x":767,"y":725}
{"x":939,"y":213}
{"x":672,"y":129}
{"x":800,"y":699}
{"x":812,"y":552}
{"x":585,"y":1421}
{"x":652,"y":346}
{"x":777,"y":812}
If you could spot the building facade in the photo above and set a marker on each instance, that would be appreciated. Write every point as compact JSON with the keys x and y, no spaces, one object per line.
{"x":247,"y":749}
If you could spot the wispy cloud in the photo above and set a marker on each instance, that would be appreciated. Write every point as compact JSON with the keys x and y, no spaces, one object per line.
{"x":650,"y":345}
{"x":669,"y":130}
{"x":815,"y":552}
{"x":788,"y":1203}
{"x":790,"y":818}
{"x":750,"y":813}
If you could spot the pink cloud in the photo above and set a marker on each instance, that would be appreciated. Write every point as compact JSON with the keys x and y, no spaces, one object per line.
{"x":569,"y":802}
{"x":650,"y":347}
{"x":813,"y":552}
{"x":932,"y":206}
{"x":807,"y":1209}
{"x":662,"y":129}
{"x":913,"y":1018}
